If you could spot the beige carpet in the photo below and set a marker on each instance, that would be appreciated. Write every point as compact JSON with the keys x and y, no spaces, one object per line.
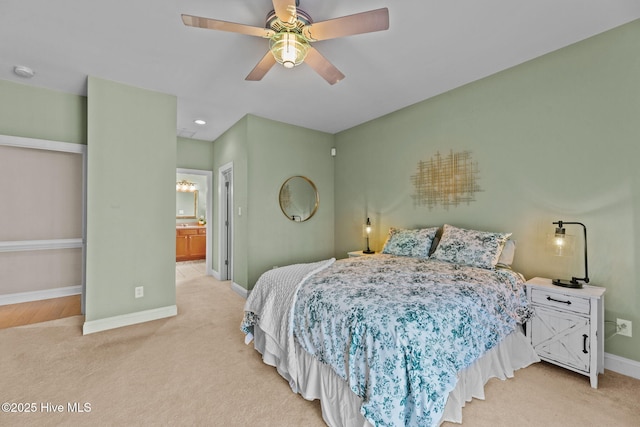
{"x":194,"y":369}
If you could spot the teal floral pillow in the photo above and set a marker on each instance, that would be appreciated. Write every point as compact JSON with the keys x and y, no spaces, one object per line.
{"x":414,"y":243}
{"x":470,"y":247}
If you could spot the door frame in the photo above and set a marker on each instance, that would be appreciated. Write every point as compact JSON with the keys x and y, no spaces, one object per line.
{"x":208,"y":213}
{"x":225,"y":205}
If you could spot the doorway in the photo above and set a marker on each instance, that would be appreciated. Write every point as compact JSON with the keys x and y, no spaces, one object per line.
{"x":204,"y":179}
{"x":225,"y":224}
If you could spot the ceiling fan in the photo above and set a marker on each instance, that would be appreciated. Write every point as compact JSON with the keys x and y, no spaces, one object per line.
{"x":291,"y":31}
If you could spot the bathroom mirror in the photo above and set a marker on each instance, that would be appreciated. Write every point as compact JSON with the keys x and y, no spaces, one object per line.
{"x":298,"y":198}
{"x":186,"y":204}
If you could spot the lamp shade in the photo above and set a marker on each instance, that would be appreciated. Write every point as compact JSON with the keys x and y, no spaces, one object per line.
{"x":367,"y":231}
{"x":367,"y":228}
{"x":561,"y":244}
{"x":289,"y":48}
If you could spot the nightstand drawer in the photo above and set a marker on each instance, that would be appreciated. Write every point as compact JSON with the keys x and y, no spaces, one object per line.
{"x":561,"y":301}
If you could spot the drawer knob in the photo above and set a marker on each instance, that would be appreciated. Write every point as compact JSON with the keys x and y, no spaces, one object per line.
{"x":557,"y":300}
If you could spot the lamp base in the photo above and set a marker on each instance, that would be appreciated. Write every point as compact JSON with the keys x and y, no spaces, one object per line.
{"x":368,"y":251}
{"x":567,"y":283}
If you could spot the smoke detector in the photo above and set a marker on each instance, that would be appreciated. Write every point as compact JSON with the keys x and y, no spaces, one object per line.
{"x":24,"y":72}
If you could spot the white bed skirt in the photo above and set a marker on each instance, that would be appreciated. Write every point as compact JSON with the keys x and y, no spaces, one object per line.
{"x":341,"y":407}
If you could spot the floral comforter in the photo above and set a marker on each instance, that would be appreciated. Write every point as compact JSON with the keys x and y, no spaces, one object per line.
{"x":399,"y":329}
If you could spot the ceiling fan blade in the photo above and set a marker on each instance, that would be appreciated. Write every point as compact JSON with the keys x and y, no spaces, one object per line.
{"x":214,"y":24}
{"x":323,"y":67}
{"x":285,"y":10}
{"x":365,"y":22}
{"x":262,"y":68}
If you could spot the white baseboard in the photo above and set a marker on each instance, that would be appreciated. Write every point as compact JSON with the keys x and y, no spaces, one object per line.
{"x":40,"y":295}
{"x":622,"y":365}
{"x":234,"y":286}
{"x":239,"y":290}
{"x":128,"y":319}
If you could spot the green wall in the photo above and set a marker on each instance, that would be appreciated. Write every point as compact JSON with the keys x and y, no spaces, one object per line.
{"x":32,"y":112}
{"x":278,"y":151}
{"x":555,"y":138}
{"x":194,"y":154}
{"x":264,"y":154}
{"x":231,"y":147}
{"x":131,"y":199}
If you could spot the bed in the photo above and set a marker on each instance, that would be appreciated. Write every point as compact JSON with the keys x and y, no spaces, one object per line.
{"x":404,"y":337}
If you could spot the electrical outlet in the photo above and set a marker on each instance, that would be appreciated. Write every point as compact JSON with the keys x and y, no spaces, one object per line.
{"x":139,"y":292}
{"x":623,"y":327}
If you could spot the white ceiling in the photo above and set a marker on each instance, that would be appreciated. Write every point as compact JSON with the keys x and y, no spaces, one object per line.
{"x":432,"y":46}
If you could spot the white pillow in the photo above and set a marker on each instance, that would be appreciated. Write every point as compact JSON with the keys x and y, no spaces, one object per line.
{"x":507,"y":254}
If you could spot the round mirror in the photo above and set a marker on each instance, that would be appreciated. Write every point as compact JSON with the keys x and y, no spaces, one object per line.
{"x":298,"y":198}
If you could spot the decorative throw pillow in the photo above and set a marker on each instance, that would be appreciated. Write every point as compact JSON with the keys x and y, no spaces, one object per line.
{"x":470,"y":247}
{"x":414,"y":243}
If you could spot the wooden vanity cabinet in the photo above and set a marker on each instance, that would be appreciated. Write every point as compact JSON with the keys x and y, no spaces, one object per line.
{"x":191,"y":243}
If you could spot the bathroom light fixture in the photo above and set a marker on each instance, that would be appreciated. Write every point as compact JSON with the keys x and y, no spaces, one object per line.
{"x":563,"y":246}
{"x":289,"y":48}
{"x":186,"y":186}
{"x":367,"y":230}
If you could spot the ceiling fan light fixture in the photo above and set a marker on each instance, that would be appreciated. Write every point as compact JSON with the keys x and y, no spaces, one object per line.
{"x":289,"y":48}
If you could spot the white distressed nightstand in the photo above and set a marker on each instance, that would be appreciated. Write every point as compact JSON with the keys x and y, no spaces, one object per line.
{"x":568,"y":326}
{"x":354,"y":254}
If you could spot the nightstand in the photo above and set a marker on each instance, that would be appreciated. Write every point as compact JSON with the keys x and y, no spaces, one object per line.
{"x":568,"y":326}
{"x":354,"y":254}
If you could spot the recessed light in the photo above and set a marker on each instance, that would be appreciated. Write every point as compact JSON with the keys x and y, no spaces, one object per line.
{"x":24,"y":72}
{"x":199,"y":122}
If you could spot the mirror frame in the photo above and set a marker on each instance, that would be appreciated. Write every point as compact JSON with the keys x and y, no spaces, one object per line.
{"x":195,"y":205}
{"x":313,"y":187}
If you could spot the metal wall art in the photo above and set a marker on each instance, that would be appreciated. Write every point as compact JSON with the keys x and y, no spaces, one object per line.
{"x":445,"y":180}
